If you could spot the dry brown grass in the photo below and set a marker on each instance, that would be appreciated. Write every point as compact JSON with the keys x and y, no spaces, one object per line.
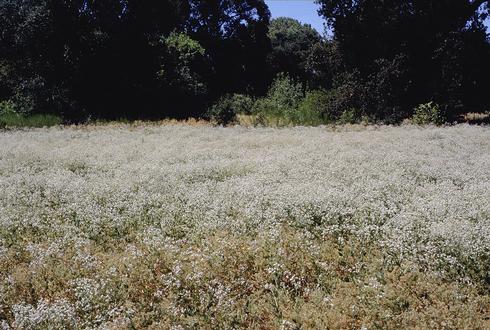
{"x":267,"y":282}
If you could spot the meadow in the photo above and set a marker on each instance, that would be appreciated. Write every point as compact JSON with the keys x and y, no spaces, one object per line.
{"x":193,"y":226}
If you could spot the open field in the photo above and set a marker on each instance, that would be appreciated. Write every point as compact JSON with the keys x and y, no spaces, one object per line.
{"x":183,"y":227}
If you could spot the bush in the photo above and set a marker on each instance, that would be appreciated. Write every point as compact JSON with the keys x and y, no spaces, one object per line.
{"x":264,"y":106}
{"x":350,"y":116}
{"x":286,"y":94}
{"x":242,"y":104}
{"x":428,"y":113}
{"x":348,"y":95}
{"x":183,"y":58}
{"x":226,"y":109}
{"x":312,"y":111}
{"x":18,"y":120}
{"x":282,"y":102}
{"x":7,"y":107}
{"x":286,"y":105}
{"x":387,"y":88}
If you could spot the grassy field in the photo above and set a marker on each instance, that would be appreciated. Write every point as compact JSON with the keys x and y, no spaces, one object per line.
{"x":186,"y":227}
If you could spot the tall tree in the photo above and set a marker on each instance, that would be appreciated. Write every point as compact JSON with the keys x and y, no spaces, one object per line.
{"x":234,"y":34}
{"x":119,"y":67}
{"x":79,"y":57}
{"x":442,"y":45}
{"x":293,"y":44}
{"x":26,"y":49}
{"x":183,"y":69}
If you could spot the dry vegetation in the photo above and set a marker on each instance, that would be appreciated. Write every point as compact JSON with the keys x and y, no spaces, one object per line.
{"x":174,"y":226}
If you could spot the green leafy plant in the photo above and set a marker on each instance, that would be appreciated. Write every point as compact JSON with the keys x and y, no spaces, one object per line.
{"x":292,"y":43}
{"x":226,"y":109}
{"x":312,"y":109}
{"x":285,"y":94}
{"x":7,"y":107}
{"x":350,"y":116}
{"x":282,"y":101}
{"x":17,"y":120}
{"x":183,"y":55}
{"x":242,"y":104}
{"x":428,"y":113}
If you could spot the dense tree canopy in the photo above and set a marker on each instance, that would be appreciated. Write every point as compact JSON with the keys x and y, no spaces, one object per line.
{"x":159,"y":58}
{"x":292,"y":46}
{"x":438,"y":49}
{"x":83,"y":57}
{"x":234,"y":33}
{"x":104,"y":58}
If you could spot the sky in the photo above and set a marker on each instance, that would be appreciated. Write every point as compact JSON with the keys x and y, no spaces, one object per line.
{"x":304,"y":11}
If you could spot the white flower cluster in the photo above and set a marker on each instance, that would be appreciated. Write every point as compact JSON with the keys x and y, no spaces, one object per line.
{"x":57,"y":315}
{"x":423,"y":195}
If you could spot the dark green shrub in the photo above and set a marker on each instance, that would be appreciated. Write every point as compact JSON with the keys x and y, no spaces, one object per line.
{"x":18,"y":120}
{"x":282,"y":100}
{"x":349,"y":93}
{"x":428,"y":113}
{"x":7,"y":107}
{"x":312,"y":109}
{"x":181,"y":61}
{"x":286,"y":94}
{"x":387,"y":88}
{"x":242,"y":104}
{"x":350,"y":116}
{"x":226,"y":109}
{"x":264,"y":106}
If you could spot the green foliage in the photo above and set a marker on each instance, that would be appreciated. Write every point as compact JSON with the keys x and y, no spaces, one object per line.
{"x":409,"y":51}
{"x":242,"y":104}
{"x":286,"y":105}
{"x":292,"y":45}
{"x":350,"y":116}
{"x":283,"y":98}
{"x":7,"y":107}
{"x":312,"y":110}
{"x":264,"y":105}
{"x":226,"y":109}
{"x":9,"y":117}
{"x":180,"y":68}
{"x":19,"y":121}
{"x":25,"y":98}
{"x":183,"y":46}
{"x":285,"y":93}
{"x":427,"y":114}
{"x":349,"y":93}
{"x":173,"y":58}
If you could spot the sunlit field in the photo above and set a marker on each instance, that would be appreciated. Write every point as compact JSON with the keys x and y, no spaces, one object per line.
{"x":186,"y":227}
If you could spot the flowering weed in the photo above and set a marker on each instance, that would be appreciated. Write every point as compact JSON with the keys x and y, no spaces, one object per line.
{"x":175,"y":226}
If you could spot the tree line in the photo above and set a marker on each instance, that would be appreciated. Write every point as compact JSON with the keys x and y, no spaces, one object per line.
{"x":154,"y":59}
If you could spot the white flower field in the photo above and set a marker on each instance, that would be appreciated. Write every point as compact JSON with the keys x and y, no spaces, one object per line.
{"x":184,"y":227}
